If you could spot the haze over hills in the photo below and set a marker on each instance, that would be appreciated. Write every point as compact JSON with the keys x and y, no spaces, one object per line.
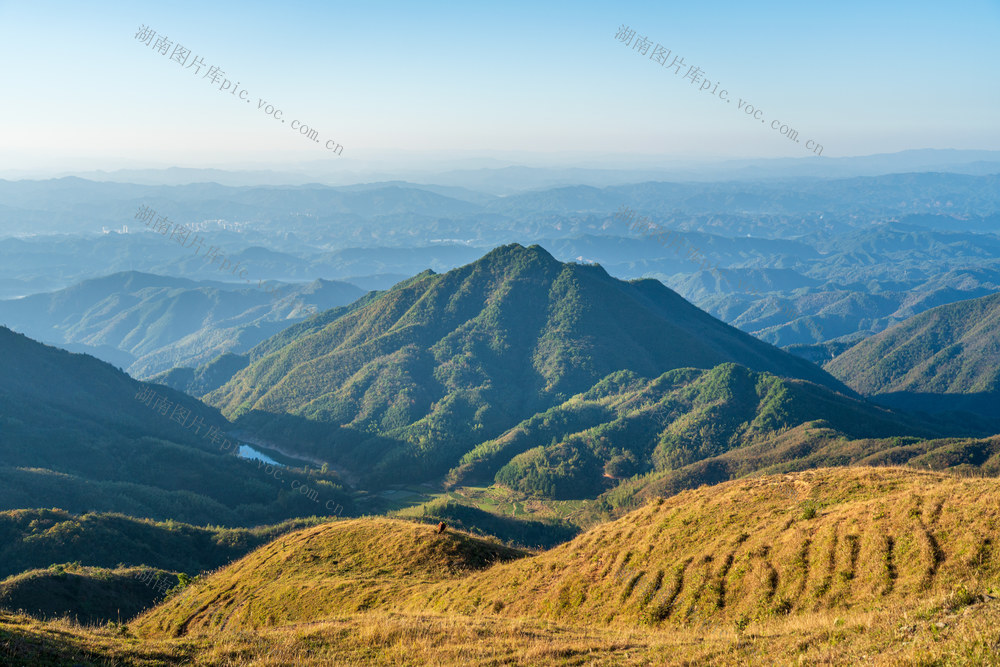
{"x":511,"y":174}
{"x":147,"y":323}
{"x":370,"y":215}
{"x":851,"y":256}
{"x":947,"y":358}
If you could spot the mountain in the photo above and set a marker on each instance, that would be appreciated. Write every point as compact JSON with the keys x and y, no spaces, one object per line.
{"x":413,"y":378}
{"x":947,"y":358}
{"x":79,"y":434}
{"x":157,"y":322}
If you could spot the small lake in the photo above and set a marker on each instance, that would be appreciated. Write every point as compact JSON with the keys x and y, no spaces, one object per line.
{"x":248,"y":452}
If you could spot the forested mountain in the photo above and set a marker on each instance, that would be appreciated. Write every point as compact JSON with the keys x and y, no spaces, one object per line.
{"x":626,"y":426}
{"x":947,"y":358}
{"x":416,"y":377}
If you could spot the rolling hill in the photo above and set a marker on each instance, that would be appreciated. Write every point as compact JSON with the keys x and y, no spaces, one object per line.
{"x":89,"y":595}
{"x":367,"y":563}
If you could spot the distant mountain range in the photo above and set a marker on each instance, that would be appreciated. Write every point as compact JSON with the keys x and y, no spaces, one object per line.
{"x":147,"y":324}
{"x":851,"y":256}
{"x":374,"y":214}
{"x":509,"y":175}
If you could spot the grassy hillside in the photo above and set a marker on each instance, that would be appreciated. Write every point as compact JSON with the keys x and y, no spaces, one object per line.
{"x":831,"y":539}
{"x":824,"y":540}
{"x":861,"y":565}
{"x":409,"y":382}
{"x":945,"y":358}
{"x":946,"y":631}
{"x":349,"y":566}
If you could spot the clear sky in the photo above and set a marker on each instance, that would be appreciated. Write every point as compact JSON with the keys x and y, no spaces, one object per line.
{"x":393,"y":79}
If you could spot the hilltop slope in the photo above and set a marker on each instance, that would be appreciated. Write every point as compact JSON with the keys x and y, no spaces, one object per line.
{"x":825,"y":539}
{"x":831,"y":539}
{"x":417,"y":376}
{"x":347,"y":566}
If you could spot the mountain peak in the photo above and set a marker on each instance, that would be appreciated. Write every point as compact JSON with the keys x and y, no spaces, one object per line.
{"x":515,"y":253}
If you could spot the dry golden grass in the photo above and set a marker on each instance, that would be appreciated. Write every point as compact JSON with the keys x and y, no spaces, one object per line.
{"x":331,"y":569}
{"x":833,"y":539}
{"x":968,"y":636}
{"x":840,"y":566}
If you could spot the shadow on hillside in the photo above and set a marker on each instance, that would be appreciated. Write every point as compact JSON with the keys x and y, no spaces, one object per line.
{"x":360,"y":457}
{"x":979,"y":412}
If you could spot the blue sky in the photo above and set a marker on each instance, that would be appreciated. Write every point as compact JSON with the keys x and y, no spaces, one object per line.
{"x":399,"y":81}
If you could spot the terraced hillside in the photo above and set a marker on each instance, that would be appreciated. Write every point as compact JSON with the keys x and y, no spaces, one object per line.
{"x":757,"y":549}
{"x":813,"y":541}
{"x":880,"y":566}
